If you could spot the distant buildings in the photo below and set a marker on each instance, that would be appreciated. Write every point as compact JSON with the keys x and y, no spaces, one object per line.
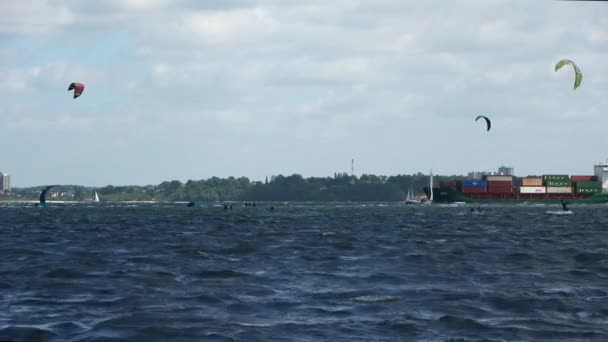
{"x":502,"y":171}
{"x":506,"y":171}
{"x":5,"y":182}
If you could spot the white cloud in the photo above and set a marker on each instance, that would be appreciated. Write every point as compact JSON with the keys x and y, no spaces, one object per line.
{"x":33,"y":16}
{"x":64,"y":122}
{"x":336,"y":70}
{"x":495,"y":31}
{"x":18,"y":80}
{"x":62,"y":74}
{"x":51,"y":76}
{"x":233,"y":117}
{"x":160,"y":69}
{"x":401,"y":43}
{"x":143,"y":4}
{"x":598,"y":35}
{"x":229,"y":26}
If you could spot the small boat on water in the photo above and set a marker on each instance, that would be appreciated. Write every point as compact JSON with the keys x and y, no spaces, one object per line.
{"x":410,"y":199}
{"x":94,"y":199}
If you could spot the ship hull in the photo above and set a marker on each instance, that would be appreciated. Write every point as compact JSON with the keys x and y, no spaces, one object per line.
{"x":451,"y":195}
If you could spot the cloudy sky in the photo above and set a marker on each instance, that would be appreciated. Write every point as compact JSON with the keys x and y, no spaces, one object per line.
{"x":189,"y":89}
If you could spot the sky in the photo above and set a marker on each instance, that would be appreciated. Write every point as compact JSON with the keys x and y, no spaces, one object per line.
{"x":189,"y":89}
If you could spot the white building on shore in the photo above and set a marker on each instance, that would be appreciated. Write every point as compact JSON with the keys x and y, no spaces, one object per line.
{"x":5,"y":182}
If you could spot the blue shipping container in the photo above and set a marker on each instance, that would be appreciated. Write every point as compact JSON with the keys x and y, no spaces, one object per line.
{"x":474,"y":182}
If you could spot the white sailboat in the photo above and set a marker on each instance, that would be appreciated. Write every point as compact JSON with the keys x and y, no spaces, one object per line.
{"x":410,"y":199}
{"x":96,"y":199}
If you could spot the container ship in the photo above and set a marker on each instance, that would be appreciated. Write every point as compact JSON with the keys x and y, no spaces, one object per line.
{"x":545,"y":188}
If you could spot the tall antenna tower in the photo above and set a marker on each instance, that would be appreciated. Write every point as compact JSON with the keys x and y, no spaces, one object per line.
{"x":352,"y":167}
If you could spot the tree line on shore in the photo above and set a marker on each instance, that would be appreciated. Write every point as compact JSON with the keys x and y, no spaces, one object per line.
{"x":340,"y":187}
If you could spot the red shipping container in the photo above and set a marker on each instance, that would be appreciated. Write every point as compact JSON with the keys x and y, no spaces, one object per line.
{"x":472,"y":189}
{"x":447,"y":184}
{"x":500,"y":190}
{"x":500,"y":184}
{"x":584,"y":178}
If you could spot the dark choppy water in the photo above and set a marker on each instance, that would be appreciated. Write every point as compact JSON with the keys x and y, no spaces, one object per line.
{"x":303,"y":273}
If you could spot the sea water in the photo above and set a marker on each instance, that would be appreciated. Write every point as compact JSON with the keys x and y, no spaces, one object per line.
{"x":303,"y":272}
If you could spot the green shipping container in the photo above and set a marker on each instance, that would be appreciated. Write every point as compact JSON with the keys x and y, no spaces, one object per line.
{"x":588,"y":190}
{"x":588,"y":187}
{"x":556,"y":177}
{"x":558,"y":183}
{"x":594,"y":185}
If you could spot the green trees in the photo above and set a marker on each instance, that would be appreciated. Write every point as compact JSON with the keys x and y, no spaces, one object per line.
{"x":340,"y":187}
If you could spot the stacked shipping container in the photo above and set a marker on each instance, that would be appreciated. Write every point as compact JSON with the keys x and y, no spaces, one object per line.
{"x":532,"y":181}
{"x":585,"y":184}
{"x":555,"y":177}
{"x":532,"y":185}
{"x":587,"y":187}
{"x":500,"y":184}
{"x":532,"y":190}
{"x":498,"y":178}
{"x":506,"y":186}
{"x":559,"y":190}
{"x":583,"y":178}
{"x":473,"y":186}
{"x":474,"y":182}
{"x":558,"y":184}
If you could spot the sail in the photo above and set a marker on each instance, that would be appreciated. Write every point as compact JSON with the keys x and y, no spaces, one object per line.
{"x":96,"y":197}
{"x":411,"y":199}
{"x":410,"y":195}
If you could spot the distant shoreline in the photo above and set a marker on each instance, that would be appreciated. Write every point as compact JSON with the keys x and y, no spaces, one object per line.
{"x":186,"y":202}
{"x":341,"y":187}
{"x":81,"y":202}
